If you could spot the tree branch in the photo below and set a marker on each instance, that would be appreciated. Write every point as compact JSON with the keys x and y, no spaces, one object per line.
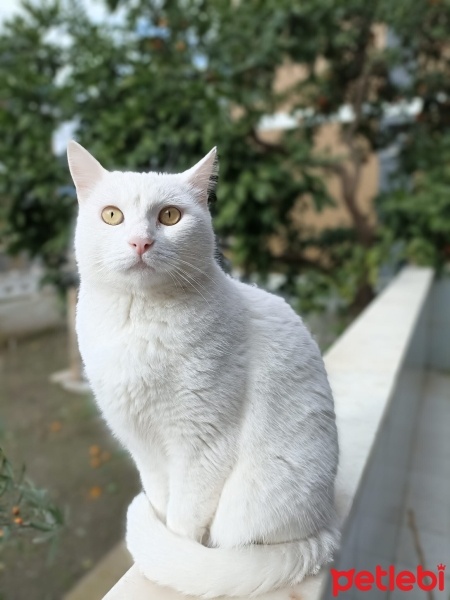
{"x":290,"y":258}
{"x":267,"y":146}
{"x":364,"y":231}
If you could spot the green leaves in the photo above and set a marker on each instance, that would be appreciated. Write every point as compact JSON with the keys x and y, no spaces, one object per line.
{"x":419,"y":216}
{"x":25,"y":509}
{"x":35,"y":209}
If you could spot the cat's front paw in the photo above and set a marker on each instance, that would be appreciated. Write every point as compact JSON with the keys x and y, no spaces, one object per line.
{"x":139,"y":507}
{"x":185,"y":528}
{"x":137,"y":515}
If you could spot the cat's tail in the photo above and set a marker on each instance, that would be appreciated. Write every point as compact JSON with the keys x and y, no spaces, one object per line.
{"x":193,"y":569}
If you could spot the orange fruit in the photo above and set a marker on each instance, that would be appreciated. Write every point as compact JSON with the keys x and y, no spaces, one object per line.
{"x":94,"y":450}
{"x":95,"y":492}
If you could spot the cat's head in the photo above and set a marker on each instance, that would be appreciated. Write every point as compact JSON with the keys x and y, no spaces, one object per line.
{"x":142,"y":230}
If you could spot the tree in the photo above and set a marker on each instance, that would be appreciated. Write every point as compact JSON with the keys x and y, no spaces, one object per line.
{"x":162,"y":84}
{"x":417,"y":216}
{"x":35,"y":203}
{"x":416,"y":211}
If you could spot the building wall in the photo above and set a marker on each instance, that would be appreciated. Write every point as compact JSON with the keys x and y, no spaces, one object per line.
{"x":327,"y":140}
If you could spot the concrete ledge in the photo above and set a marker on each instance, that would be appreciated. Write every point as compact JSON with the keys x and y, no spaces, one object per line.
{"x":363,"y":366}
{"x":98,"y":581}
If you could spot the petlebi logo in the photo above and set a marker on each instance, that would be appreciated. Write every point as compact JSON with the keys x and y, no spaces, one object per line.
{"x":389,"y":579}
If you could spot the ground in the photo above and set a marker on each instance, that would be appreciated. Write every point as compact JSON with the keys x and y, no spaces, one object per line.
{"x":68,"y":450}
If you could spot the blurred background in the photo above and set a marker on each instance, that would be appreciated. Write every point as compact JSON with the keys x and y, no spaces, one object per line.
{"x":332,"y":120}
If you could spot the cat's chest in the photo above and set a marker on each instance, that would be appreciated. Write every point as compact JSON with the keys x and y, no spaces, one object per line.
{"x":131,"y":363}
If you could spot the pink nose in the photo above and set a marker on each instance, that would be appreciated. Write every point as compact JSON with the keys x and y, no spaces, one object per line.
{"x":141,"y":245}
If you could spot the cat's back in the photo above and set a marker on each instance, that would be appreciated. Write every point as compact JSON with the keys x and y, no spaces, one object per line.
{"x":284,"y":355}
{"x":272,"y":316}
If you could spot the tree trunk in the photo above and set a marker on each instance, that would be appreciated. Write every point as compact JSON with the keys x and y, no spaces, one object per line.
{"x":364,"y":295}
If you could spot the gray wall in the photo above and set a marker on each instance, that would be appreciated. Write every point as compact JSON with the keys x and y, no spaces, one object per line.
{"x":439,"y":349}
{"x":373,"y":527}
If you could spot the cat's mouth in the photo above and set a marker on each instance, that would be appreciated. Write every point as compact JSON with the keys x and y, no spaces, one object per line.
{"x":140,"y":265}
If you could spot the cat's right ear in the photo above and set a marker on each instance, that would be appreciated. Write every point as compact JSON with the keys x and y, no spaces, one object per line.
{"x":86,"y":171}
{"x":202,"y":177}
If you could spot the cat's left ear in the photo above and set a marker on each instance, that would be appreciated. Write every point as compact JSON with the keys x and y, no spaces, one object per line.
{"x":202,"y":177}
{"x":86,"y":171}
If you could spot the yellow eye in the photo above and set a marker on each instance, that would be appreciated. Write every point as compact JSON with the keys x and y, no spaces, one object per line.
{"x":112,"y":215}
{"x":169,"y":215}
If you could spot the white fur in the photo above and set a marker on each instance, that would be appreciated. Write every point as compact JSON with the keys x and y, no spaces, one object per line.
{"x":216,"y":389}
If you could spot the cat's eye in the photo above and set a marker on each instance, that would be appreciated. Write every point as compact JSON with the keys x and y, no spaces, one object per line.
{"x":169,"y":215}
{"x":112,"y":215}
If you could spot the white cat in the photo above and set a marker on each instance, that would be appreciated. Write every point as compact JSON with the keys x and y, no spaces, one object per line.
{"x":216,"y":388}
